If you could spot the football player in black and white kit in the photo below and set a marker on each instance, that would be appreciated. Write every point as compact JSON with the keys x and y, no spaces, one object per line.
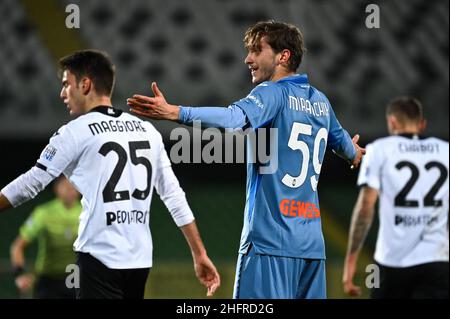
{"x":409,"y":173}
{"x":114,"y":160}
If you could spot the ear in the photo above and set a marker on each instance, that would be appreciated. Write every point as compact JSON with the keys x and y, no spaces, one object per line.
{"x":422,"y":125}
{"x":284,"y":57}
{"x":86,"y":85}
{"x":392,"y":123}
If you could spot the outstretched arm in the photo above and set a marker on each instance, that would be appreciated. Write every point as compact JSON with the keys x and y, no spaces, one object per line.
{"x":154,"y":107}
{"x":231,"y":117}
{"x":361,"y":221}
{"x":24,"y":188}
{"x":205,"y":270}
{"x":157,"y":108}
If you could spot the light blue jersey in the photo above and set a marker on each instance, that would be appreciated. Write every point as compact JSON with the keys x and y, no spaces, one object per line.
{"x":282,"y":213}
{"x":282,"y":247}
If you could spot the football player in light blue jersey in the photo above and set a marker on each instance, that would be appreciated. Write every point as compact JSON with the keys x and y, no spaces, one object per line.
{"x":282,"y":249}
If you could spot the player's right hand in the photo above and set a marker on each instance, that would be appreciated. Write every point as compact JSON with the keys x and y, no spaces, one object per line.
{"x":24,"y":283}
{"x":351,"y":289}
{"x":349,"y":273}
{"x":153,"y":107}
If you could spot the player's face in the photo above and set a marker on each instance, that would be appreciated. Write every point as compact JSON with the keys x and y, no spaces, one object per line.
{"x":262,"y":64}
{"x":71,"y":93}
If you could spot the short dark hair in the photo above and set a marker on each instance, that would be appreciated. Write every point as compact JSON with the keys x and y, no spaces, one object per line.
{"x":405,"y":109}
{"x":279,"y":36}
{"x":94,"y":64}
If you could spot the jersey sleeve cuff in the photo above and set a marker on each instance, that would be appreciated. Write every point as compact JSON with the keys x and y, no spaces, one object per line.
{"x":370,"y":184}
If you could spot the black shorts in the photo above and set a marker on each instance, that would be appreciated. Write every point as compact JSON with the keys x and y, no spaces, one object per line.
{"x":47,"y":287}
{"x":418,"y":282}
{"x":100,"y":282}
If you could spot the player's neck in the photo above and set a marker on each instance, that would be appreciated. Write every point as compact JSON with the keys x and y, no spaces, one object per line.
{"x":96,"y":101}
{"x":412,"y":129}
{"x":407,"y":131}
{"x":280,"y":74}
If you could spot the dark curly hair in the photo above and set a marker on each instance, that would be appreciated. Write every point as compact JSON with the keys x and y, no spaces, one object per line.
{"x":279,"y":36}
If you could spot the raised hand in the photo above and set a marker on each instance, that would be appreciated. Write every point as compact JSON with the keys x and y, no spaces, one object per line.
{"x":153,"y":107}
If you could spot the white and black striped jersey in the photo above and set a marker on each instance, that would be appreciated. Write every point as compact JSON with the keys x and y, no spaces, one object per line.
{"x":411,"y":176}
{"x":114,"y":159}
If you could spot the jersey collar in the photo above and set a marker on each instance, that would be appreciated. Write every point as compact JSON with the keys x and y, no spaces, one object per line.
{"x":412,"y":136}
{"x":107,"y":110}
{"x":297,"y":78}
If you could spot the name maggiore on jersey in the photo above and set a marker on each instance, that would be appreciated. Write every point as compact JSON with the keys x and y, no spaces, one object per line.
{"x":113,"y":159}
{"x":116,"y":126}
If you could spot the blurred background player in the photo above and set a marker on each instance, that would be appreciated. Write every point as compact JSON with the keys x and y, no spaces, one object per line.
{"x":54,"y":225}
{"x":409,"y":173}
{"x":116,"y":161}
{"x":282,"y":251}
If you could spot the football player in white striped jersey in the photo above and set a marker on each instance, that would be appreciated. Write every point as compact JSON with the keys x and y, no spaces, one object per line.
{"x":114,"y":160}
{"x":409,"y":175}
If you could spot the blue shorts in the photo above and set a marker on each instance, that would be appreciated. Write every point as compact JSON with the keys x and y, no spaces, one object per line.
{"x":273,"y":277}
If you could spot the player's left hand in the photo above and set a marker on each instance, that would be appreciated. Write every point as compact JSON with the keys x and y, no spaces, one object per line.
{"x":359,"y":152}
{"x":207,"y":274}
{"x":153,"y":107}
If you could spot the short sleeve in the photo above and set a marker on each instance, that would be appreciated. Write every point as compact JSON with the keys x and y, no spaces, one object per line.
{"x":262,"y":105}
{"x":370,"y":171}
{"x":32,"y":226}
{"x":59,"y":153}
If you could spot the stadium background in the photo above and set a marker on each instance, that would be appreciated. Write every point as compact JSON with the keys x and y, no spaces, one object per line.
{"x":194,"y":50}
